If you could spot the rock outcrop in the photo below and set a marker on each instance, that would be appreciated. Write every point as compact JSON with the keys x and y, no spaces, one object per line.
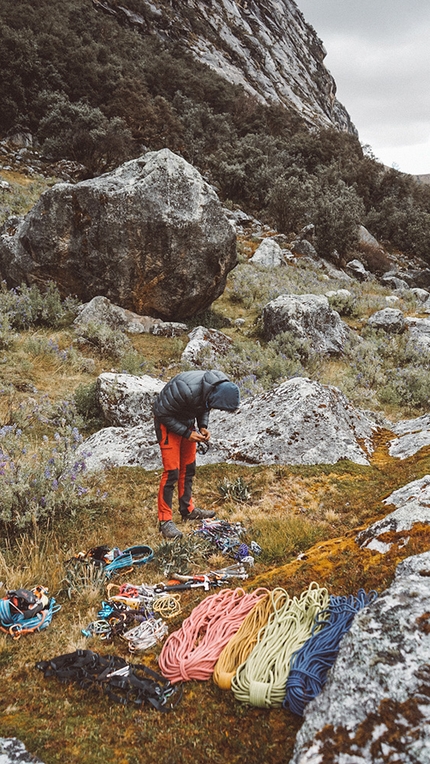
{"x":299,"y":422}
{"x":412,"y":503}
{"x":309,"y":318}
{"x":412,"y":435}
{"x":375,"y":705}
{"x":151,"y":236}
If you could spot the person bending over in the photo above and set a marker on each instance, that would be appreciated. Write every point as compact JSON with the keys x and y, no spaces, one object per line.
{"x":181,"y":415}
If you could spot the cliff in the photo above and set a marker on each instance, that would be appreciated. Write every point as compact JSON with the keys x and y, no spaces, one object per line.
{"x":266,"y":46}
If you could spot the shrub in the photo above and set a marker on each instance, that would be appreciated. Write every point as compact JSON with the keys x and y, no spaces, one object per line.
{"x":44,"y":486}
{"x":28,"y":306}
{"x":105,"y":340}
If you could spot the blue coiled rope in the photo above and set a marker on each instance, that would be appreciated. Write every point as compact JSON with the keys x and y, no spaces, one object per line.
{"x":310,"y":665}
{"x":15,"y":623}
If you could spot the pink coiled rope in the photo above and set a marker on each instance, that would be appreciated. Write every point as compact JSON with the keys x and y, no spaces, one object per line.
{"x":193,"y":650}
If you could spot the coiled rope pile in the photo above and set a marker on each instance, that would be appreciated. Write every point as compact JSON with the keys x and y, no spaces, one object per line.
{"x":242,"y":643}
{"x":310,"y":664}
{"x":192,"y":651}
{"x":260,"y":681}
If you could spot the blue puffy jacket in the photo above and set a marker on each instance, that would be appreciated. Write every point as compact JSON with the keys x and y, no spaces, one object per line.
{"x":188,"y":398}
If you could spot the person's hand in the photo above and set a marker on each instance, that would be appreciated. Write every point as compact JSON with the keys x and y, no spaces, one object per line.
{"x":197,"y":437}
{"x":206,"y":433}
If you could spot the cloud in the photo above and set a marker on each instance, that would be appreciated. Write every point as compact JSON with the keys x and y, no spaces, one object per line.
{"x":379,"y":56}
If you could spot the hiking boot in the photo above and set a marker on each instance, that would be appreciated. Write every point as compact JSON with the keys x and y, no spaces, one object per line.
{"x":169,"y":530}
{"x":199,"y":514}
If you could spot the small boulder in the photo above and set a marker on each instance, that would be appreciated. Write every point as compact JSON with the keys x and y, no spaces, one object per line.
{"x":389,"y":320}
{"x":101,"y":310}
{"x":307,"y":317}
{"x":205,"y":346}
{"x":419,"y":333}
{"x":356,"y":269}
{"x":269,"y":254}
{"x":126,"y":400}
{"x":393,"y":282}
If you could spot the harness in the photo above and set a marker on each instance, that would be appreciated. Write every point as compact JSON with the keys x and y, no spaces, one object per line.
{"x":122,"y":682}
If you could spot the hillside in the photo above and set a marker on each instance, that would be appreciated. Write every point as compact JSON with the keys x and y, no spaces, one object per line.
{"x":86,"y":86}
{"x":91,"y":87}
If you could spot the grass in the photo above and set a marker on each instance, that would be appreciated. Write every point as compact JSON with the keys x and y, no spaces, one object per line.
{"x":304,"y":518}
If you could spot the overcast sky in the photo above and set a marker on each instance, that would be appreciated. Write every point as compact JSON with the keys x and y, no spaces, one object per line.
{"x":378,"y":52}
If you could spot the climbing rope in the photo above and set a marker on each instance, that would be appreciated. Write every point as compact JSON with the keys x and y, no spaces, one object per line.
{"x":15,"y":622}
{"x":260,"y":681}
{"x":310,"y":664}
{"x":192,"y":651}
{"x":241,"y":644}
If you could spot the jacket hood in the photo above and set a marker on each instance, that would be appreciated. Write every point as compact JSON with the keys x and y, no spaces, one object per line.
{"x":225,"y":397}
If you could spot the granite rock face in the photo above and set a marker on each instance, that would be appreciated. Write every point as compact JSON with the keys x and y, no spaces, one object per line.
{"x":151,"y":236}
{"x":375,"y":705}
{"x":267,"y":47}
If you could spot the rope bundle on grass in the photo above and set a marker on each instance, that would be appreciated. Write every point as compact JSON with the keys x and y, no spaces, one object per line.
{"x":260,"y":681}
{"x":193,"y":650}
{"x":241,"y":644}
{"x":311,"y":663}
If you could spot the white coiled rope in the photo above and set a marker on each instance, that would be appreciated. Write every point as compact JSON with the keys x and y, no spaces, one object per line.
{"x":260,"y":680}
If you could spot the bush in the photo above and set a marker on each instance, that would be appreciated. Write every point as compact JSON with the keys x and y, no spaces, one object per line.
{"x":40,"y":487}
{"x":28,"y":306}
{"x":105,"y":340}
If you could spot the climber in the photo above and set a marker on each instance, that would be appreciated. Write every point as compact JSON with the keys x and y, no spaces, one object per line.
{"x":181,"y":414}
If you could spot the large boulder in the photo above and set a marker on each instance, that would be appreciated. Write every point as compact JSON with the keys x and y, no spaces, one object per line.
{"x":151,"y":236}
{"x":299,"y":422}
{"x":308,"y":317}
{"x":375,"y":705}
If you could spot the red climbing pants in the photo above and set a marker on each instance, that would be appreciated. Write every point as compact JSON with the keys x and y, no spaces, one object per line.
{"x":178,"y":455}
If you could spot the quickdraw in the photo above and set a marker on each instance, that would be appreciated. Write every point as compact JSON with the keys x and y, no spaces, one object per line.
{"x":227,"y":537}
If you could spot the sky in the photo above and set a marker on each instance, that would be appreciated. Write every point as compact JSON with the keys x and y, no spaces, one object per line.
{"x":378,"y":52}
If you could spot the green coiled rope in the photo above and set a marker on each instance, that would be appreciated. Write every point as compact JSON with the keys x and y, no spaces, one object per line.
{"x":260,"y":680}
